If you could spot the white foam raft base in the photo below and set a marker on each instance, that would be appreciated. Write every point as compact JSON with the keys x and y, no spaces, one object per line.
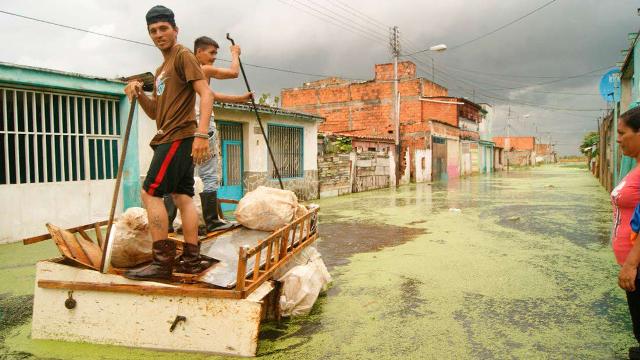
{"x":211,"y":325}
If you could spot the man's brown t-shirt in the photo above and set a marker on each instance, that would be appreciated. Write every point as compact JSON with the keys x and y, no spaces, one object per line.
{"x":175,"y":96}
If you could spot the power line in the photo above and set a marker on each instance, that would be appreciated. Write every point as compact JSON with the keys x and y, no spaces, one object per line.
{"x":375,"y":30}
{"x":506,"y":75}
{"x":490,"y":95}
{"x":75,"y":28}
{"x":151,"y":45}
{"x":497,"y":29}
{"x":333,"y":20}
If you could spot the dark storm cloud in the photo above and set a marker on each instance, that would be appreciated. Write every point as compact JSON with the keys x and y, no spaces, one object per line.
{"x":566,"y":38}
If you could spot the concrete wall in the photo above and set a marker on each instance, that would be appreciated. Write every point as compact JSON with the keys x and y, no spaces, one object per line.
{"x":422,"y":165}
{"x":341,"y":174}
{"x":256,"y":156}
{"x":334,"y":174}
{"x":29,"y":206}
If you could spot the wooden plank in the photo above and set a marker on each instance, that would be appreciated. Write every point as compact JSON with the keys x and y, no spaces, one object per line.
{"x":256,"y":266}
{"x":284,"y":240}
{"x":97,"y":228}
{"x":227,"y":201}
{"x":84,"y":235}
{"x":182,"y":290}
{"x":267,"y":264}
{"x":242,"y":268}
{"x":79,"y":250}
{"x":36,"y":239}
{"x":268,"y":273}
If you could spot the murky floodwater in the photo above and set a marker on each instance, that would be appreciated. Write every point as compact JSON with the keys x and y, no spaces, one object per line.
{"x":522,"y":270}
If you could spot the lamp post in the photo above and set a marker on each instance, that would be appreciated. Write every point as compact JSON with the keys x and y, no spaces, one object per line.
{"x":395,"y":51}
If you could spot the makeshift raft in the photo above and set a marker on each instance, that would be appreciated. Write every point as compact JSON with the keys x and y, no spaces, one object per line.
{"x":218,"y":311}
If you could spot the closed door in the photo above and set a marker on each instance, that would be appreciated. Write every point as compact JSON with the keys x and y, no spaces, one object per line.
{"x":439,"y":159}
{"x":231,"y":186}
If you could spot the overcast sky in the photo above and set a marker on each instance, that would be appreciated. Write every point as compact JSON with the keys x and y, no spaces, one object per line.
{"x":347,"y":37}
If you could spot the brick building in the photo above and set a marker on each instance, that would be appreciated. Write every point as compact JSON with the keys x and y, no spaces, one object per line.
{"x":429,"y":118}
{"x":518,"y":150}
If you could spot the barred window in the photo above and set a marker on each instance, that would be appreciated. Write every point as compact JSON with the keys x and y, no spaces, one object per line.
{"x":56,"y":136}
{"x":287,"y":146}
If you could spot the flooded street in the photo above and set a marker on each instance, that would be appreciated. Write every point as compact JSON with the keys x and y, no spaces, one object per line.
{"x":513,"y":265}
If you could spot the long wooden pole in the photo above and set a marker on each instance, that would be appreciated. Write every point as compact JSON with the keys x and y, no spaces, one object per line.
{"x":114,"y":200}
{"x":255,"y":110}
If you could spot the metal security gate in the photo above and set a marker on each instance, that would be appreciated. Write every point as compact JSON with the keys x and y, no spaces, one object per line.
{"x":439,"y":158}
{"x":52,"y":137}
{"x":231,"y":186}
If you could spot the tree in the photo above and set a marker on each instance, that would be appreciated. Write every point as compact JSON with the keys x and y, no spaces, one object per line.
{"x":589,"y":146}
{"x":265,"y":99}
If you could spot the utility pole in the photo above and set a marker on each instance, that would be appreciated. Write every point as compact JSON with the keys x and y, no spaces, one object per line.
{"x":395,"y":52}
{"x":507,"y":143}
{"x":433,"y":71}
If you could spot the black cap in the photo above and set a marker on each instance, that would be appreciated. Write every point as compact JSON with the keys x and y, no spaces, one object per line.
{"x":160,"y":13}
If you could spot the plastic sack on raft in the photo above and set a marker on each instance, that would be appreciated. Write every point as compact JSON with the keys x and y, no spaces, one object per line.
{"x":131,"y":239}
{"x":302,"y":283}
{"x":266,"y":208}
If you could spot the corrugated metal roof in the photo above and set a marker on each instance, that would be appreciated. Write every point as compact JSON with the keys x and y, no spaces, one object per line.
{"x":272,"y":110}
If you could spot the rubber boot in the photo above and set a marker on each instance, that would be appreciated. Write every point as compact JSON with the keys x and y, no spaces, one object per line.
{"x":164,"y":253}
{"x":210,"y":212}
{"x":172,"y":211}
{"x":191,"y":261}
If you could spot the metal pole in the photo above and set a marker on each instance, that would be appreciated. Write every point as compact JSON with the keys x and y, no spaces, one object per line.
{"x":395,"y":50}
{"x":114,"y":200}
{"x":507,"y":143}
{"x":255,"y":110}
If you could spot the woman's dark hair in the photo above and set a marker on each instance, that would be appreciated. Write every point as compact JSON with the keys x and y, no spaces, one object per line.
{"x":204,"y":42}
{"x":631,"y":118}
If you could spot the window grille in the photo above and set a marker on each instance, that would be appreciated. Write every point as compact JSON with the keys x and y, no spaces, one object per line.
{"x":55,"y":136}
{"x":287,"y":147}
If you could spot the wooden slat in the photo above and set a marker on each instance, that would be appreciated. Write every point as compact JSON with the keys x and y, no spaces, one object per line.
{"x":181,"y":290}
{"x":80,"y":251}
{"x":228,"y":201}
{"x":84,"y":235}
{"x":256,"y":266}
{"x":284,"y":240}
{"x":242,"y":268}
{"x":268,"y":273}
{"x":267,"y":264}
{"x":98,"y":230}
{"x":36,"y":239}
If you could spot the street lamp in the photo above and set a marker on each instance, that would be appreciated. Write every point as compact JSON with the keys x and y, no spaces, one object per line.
{"x":439,"y":47}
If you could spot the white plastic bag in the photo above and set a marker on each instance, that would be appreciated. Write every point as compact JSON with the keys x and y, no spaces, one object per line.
{"x":266,"y":209}
{"x":302,"y":284}
{"x":130,"y":239}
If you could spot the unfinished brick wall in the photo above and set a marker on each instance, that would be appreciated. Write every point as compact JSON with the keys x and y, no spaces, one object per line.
{"x":525,"y":143}
{"x":365,"y":108}
{"x":447,"y":113}
{"x":406,"y":70}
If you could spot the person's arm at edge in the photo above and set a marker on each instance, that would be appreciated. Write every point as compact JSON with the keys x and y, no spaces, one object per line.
{"x":232,"y":98}
{"x":200,"y":149}
{"x":134,"y":89}
{"x":225,"y":73}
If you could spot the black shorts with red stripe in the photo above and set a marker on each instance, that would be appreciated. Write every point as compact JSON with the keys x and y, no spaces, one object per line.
{"x":171,"y":169}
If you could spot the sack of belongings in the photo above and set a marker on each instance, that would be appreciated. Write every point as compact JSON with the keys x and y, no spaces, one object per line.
{"x":267,"y":209}
{"x":131,"y":239}
{"x":303,"y":282}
